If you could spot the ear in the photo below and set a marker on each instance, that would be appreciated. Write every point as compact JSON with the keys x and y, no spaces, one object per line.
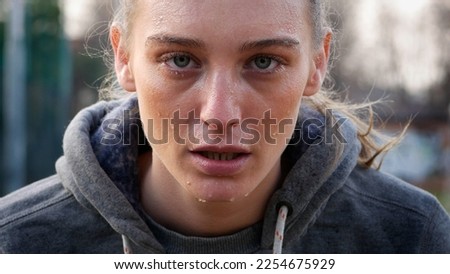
{"x":121,"y":60}
{"x":319,"y":66}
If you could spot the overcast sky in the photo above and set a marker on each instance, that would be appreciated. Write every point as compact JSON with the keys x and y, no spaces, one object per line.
{"x":400,"y":49}
{"x":79,"y":16}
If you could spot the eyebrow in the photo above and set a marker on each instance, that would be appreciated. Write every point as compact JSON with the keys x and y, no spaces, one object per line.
{"x":195,"y":43}
{"x":182,"y":41}
{"x":280,"y":42}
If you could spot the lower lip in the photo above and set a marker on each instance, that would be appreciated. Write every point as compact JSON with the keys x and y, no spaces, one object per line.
{"x":220,"y":168}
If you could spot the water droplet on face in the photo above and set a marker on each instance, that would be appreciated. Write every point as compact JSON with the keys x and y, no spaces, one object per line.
{"x":232,"y":200}
{"x":159,"y":21}
{"x":188,"y":183}
{"x":201,"y":200}
{"x":246,"y":195}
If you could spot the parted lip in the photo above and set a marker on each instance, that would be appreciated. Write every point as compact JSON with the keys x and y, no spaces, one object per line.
{"x":231,"y":161}
{"x":221,"y":149}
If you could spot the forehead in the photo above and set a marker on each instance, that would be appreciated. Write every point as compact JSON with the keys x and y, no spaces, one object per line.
{"x":223,"y":17}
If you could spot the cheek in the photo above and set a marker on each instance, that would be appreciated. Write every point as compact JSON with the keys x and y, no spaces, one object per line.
{"x":164,"y":118}
{"x":156,"y":100}
{"x":287,"y":103}
{"x":285,"y":110}
{"x":155,"y":110}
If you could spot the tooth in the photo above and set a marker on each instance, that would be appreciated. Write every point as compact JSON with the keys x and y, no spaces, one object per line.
{"x":219,"y":156}
{"x":230,"y":156}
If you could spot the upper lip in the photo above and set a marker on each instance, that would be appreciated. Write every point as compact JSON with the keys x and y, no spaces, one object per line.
{"x":221,"y":149}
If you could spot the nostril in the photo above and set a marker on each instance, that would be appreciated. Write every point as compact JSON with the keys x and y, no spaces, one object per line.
{"x":216,"y":124}
{"x":213,"y":124}
{"x":233,"y":123}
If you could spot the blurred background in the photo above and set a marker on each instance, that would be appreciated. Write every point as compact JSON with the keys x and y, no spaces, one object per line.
{"x":399,"y":50}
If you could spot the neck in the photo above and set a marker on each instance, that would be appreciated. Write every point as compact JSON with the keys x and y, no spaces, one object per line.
{"x":170,"y":205}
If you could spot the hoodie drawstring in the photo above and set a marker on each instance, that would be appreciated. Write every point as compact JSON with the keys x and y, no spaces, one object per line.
{"x":279,"y":230}
{"x":126,"y":245}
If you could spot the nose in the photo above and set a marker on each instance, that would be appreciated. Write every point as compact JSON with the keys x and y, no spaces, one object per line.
{"x":221,"y":107}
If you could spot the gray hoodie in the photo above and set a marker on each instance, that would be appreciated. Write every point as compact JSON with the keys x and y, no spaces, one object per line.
{"x":335,"y":206}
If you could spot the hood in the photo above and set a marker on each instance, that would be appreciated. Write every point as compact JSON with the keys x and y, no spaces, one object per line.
{"x":99,"y":167}
{"x":322,"y":154}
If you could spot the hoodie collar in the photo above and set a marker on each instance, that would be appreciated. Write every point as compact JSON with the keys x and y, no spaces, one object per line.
{"x":99,"y":167}
{"x":324,"y":151}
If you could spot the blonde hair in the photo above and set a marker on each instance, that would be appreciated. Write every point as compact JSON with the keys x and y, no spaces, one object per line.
{"x":374,"y":145}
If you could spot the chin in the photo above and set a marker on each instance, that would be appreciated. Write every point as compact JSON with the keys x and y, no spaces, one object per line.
{"x":217,"y":192}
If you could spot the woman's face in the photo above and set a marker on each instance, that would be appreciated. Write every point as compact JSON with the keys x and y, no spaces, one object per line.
{"x":219,"y":85}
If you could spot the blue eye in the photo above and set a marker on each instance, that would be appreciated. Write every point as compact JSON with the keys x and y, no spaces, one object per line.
{"x":180,"y":61}
{"x":264,"y":63}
